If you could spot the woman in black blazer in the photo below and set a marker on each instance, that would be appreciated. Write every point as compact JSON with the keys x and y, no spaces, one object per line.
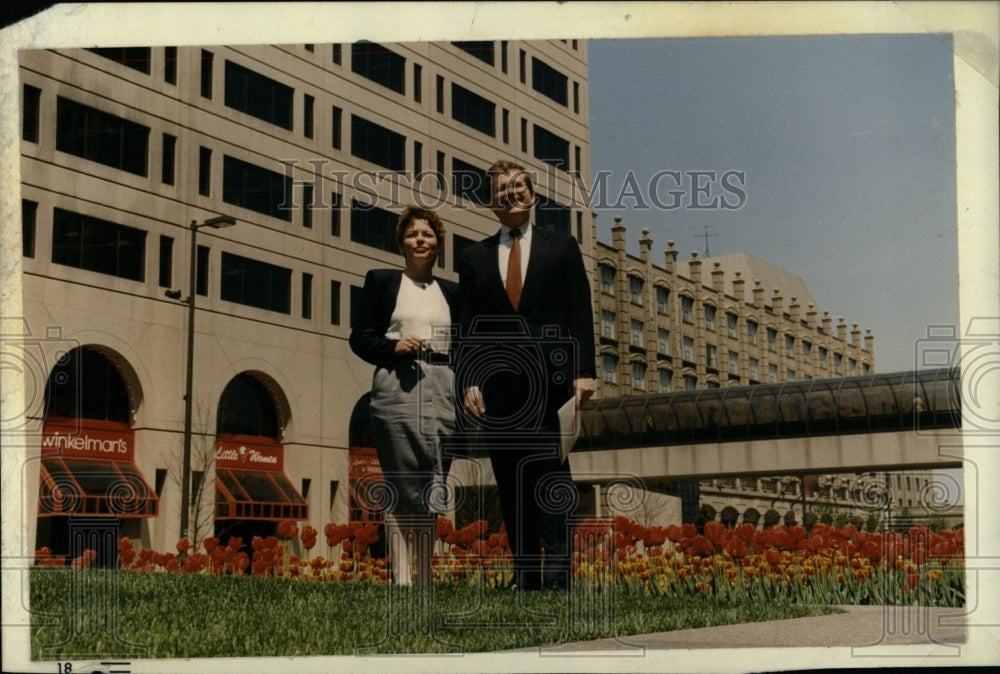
{"x":404,"y":329}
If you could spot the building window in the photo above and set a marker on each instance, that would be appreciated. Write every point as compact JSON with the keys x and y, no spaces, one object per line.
{"x":378,"y":144}
{"x":480,"y":49}
{"x":772,"y":339}
{"x":201,"y":271}
{"x":503,"y":56}
{"x":256,"y":188}
{"x":258,"y":96}
{"x":838,"y":363}
{"x":30,"y":114}
{"x":711,"y":356}
{"x":865,"y":369}
{"x":639,"y":376}
{"x":790,"y":375}
{"x":806,"y":350}
{"x":662,"y":299}
{"x":336,"y":207}
{"x":548,"y":81}
{"x":379,"y":64}
{"x":663,"y":341}
{"x":607,"y":324}
{"x":98,"y":245}
{"x":790,"y":346}
{"x":687,"y":309}
{"x":522,"y":61}
{"x":734,"y":362}
{"x":207,"y":59}
{"x":852,"y":367}
{"x":308,"y":103}
{"x":418,"y":158}
{"x":338,"y":116}
{"x":551,"y":148}
{"x":469,"y":182}
{"x":166,"y":261}
{"x":731,"y":322}
{"x":334,"y":302}
{"x":101,"y":137}
{"x":418,"y":89}
{"x":576,"y":97}
{"x":607,"y":280}
{"x":29,"y":215}
{"x":338,"y":52}
{"x":551,"y":215}
{"x":256,"y":284}
{"x":204,"y":171}
{"x":688,"y":346}
{"x":524,"y":135}
{"x":635,"y":333}
{"x":710,"y":317}
{"x":307,"y":206}
{"x":440,"y":169}
{"x":307,"y":293}
{"x":690,"y":382}
{"x":506,"y":126}
{"x":373,"y":226}
{"x":635,"y":290}
{"x":754,"y":367}
{"x":170,"y":65}
{"x":136,"y":58}
{"x":167,"y":167}
{"x":473,"y":110}
{"x":752,"y":332}
{"x":772,"y":374}
{"x":665,"y":379}
{"x":439,"y":93}
{"x":610,"y":367}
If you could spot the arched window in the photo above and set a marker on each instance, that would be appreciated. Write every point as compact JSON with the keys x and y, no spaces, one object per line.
{"x":86,"y":385}
{"x":247,"y":408}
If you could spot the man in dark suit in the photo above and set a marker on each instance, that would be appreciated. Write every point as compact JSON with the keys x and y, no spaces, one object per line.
{"x":527,"y":336}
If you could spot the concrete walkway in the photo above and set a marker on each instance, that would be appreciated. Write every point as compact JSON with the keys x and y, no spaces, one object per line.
{"x":858,"y":627}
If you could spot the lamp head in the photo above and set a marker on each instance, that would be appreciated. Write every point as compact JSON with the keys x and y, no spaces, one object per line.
{"x":220,"y":221}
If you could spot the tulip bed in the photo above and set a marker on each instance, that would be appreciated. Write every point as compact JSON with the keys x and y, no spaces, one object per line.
{"x":826,"y":565}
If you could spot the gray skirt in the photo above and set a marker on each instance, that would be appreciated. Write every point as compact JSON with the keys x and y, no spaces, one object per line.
{"x":413,"y":413}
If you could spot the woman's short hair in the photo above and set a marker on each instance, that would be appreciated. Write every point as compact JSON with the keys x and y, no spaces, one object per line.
{"x":411,"y":213}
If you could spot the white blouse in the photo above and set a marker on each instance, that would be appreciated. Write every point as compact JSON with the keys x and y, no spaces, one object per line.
{"x":421,"y":310}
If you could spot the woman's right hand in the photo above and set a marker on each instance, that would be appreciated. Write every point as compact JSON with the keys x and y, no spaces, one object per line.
{"x":410,"y":346}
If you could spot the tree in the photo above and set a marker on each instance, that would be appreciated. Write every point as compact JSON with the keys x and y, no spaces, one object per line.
{"x":201,"y":513}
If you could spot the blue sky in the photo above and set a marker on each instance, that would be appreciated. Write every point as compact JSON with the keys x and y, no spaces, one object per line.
{"x":847,"y":147}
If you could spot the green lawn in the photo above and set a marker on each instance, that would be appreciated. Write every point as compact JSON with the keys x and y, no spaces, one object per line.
{"x":92,"y":613}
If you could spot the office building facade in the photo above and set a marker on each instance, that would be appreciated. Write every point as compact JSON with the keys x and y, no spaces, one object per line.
{"x":312,"y":150}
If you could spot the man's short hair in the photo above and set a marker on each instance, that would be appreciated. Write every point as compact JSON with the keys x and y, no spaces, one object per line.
{"x":504,"y":166}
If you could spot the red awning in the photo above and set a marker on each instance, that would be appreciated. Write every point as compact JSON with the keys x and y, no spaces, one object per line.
{"x":94,"y":487}
{"x":257,"y":495}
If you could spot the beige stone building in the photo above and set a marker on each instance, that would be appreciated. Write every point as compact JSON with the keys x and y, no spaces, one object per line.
{"x":312,"y":150}
{"x":734,"y":320}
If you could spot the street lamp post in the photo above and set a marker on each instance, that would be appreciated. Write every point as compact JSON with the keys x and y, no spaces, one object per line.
{"x":216,"y":223}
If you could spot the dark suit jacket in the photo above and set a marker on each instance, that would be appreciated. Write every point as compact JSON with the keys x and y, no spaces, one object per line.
{"x":555,"y":310}
{"x":378,"y":301}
